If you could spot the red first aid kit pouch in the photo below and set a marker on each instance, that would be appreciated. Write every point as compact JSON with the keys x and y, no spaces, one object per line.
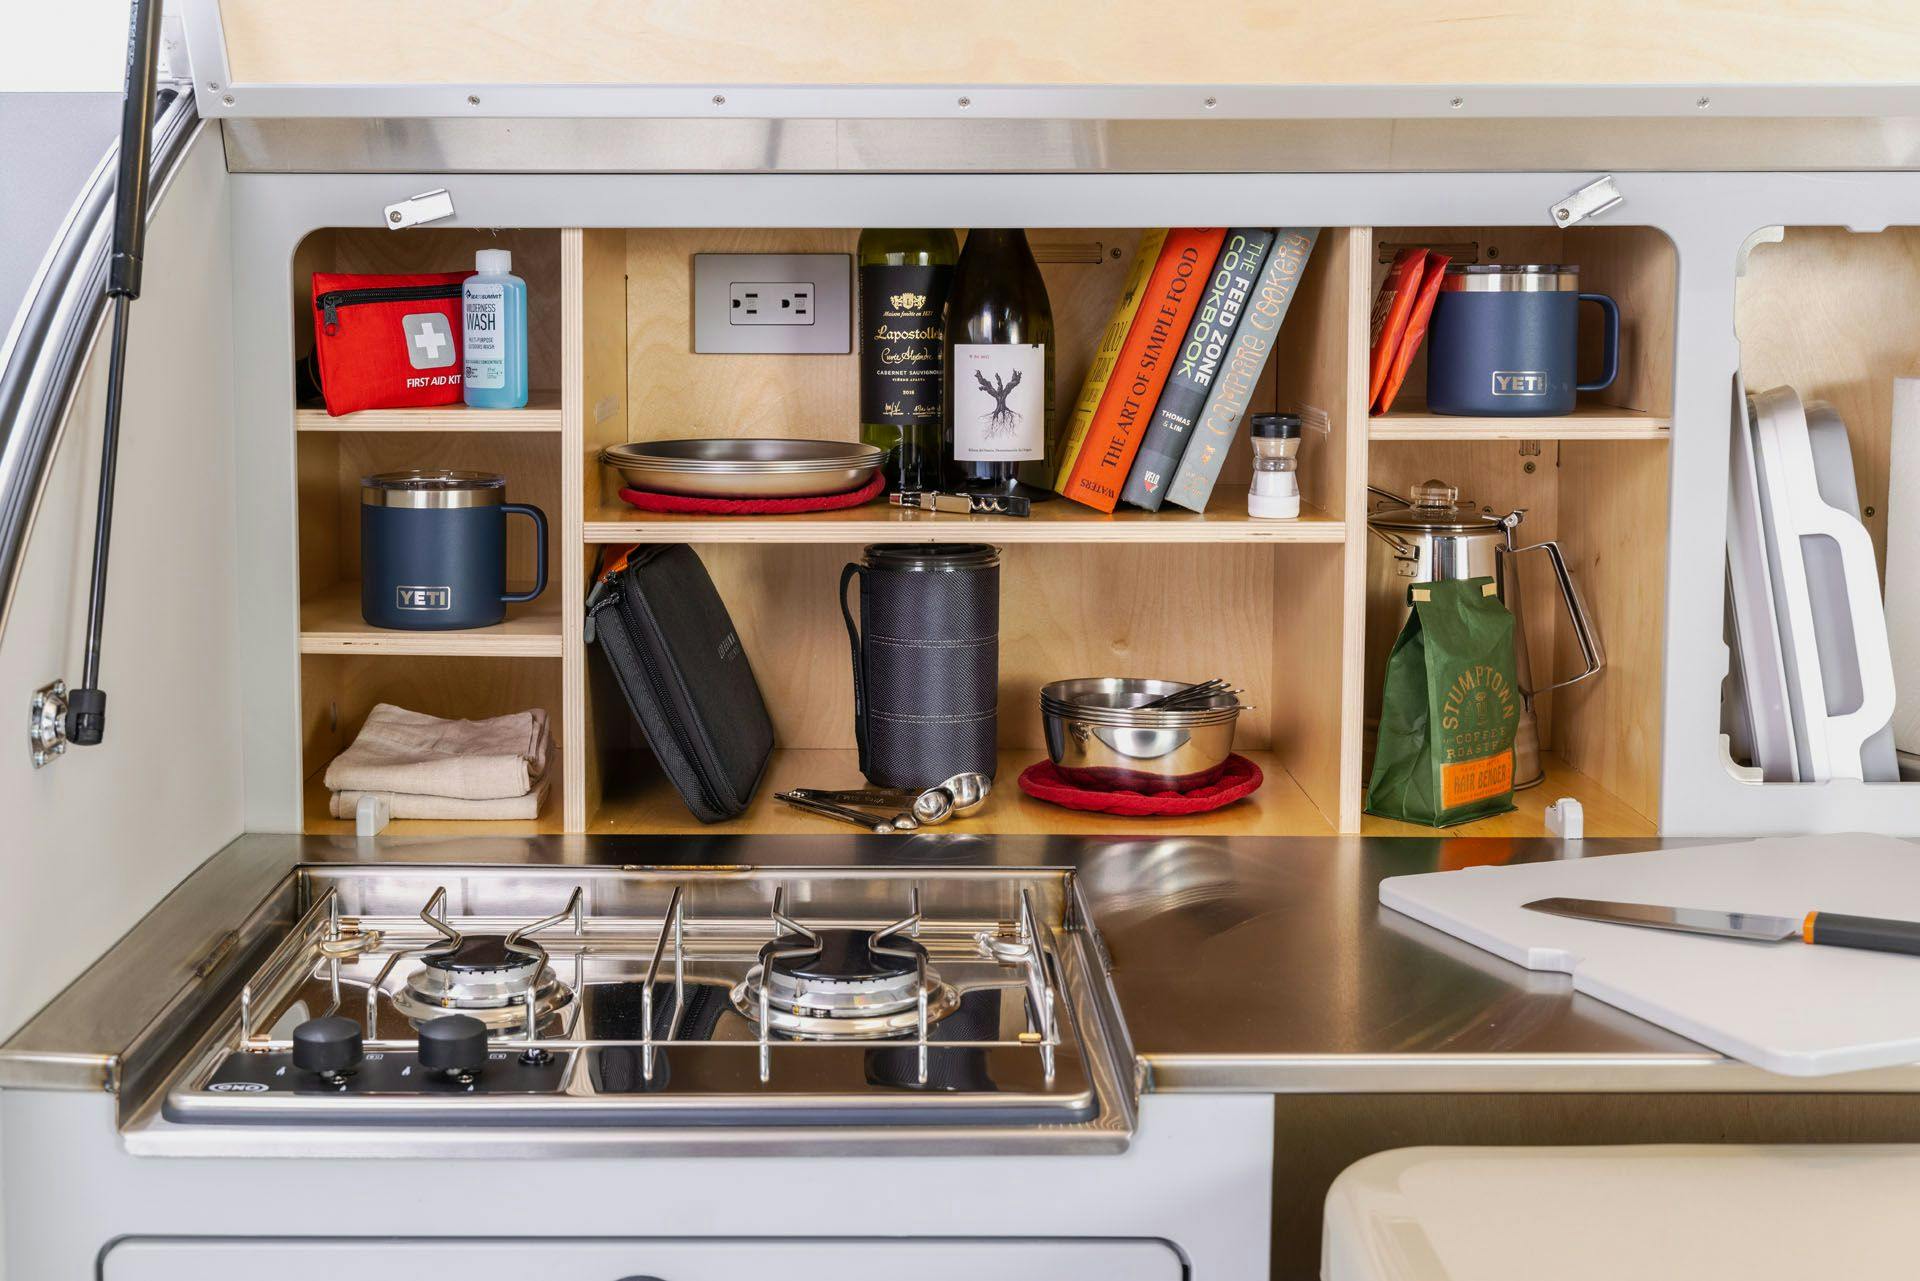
{"x":387,"y":342}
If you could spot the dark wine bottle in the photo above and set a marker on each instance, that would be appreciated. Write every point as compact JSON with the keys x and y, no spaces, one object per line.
{"x":904,"y":278}
{"x":999,"y":433}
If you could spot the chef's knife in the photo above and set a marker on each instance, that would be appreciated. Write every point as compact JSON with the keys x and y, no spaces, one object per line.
{"x":1873,"y":933}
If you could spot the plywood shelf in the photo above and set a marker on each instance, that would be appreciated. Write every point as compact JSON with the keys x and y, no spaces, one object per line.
{"x":541,"y":414}
{"x":1606,"y":814}
{"x":651,"y":805}
{"x":1057,"y":521}
{"x":330,"y":623}
{"x":1588,"y":422}
{"x":319,"y":821}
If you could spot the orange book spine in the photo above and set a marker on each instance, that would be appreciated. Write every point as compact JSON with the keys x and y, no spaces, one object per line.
{"x":1141,"y":369}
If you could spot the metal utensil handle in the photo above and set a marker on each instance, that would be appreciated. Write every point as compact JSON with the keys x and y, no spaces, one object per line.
{"x":1592,"y":655}
{"x":871,"y":796}
{"x":877,"y":826}
{"x":1403,"y":548}
{"x":859,"y":668}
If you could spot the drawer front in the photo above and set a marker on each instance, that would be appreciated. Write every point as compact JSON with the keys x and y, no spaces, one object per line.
{"x":814,"y":1259}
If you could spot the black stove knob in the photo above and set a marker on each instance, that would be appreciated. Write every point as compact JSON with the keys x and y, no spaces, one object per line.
{"x":329,"y":1046}
{"x":453,"y":1043}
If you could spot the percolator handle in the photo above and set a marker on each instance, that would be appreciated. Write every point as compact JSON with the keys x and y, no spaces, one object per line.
{"x":1592,"y":655}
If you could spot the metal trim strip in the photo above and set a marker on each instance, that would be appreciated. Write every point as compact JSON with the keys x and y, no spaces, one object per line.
{"x":599,"y":144}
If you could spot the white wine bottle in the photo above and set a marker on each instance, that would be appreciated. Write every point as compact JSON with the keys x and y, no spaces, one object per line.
{"x":999,"y":432}
{"x":904,"y":278}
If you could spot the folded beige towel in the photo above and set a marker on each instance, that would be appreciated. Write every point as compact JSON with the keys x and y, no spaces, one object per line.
{"x":409,"y":806}
{"x":407,"y":752}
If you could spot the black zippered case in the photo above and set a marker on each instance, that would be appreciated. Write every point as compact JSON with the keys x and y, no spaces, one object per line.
{"x":673,"y":650}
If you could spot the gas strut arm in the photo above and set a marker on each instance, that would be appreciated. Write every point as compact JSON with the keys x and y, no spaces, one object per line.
{"x":87,"y":704}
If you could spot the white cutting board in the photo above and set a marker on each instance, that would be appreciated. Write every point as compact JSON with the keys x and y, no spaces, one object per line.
{"x":1790,"y":1008}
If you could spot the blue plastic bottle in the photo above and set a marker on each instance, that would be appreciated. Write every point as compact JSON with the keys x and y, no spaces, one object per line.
{"x":493,"y":309}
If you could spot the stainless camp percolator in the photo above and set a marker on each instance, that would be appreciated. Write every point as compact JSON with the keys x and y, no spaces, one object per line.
{"x":1435,"y":537}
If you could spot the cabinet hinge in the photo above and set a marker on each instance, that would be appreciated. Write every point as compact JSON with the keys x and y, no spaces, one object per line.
{"x":1590,"y":201}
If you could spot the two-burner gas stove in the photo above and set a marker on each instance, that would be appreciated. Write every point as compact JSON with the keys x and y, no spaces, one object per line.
{"x":676,"y":1000}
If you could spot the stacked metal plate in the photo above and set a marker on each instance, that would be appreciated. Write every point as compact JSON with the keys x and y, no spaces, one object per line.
{"x":746,"y":467}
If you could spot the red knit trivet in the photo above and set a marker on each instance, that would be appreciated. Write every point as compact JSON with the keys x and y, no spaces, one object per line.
{"x":1043,"y":781}
{"x":648,"y":501}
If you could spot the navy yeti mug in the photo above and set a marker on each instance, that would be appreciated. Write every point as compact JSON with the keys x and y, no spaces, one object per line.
{"x":433,"y":550}
{"x":1504,"y":341}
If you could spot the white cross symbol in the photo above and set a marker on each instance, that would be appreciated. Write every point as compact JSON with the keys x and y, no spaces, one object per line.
{"x":429,"y":340}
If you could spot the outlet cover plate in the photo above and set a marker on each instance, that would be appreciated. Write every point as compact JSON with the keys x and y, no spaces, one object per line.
{"x":727,"y":287}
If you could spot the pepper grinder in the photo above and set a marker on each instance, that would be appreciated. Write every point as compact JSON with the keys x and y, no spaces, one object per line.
{"x":1276,"y":480}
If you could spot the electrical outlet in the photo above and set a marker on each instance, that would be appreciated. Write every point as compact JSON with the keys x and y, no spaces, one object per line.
{"x":770,"y":303}
{"x":784,"y":304}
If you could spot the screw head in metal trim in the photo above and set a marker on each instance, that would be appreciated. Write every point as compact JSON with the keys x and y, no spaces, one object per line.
{"x":1456,"y":103}
{"x":966,"y":102}
{"x":719,"y":99}
{"x":1211,"y":103}
{"x":473,"y":100}
{"x":1703,"y":103}
{"x":227,"y":99}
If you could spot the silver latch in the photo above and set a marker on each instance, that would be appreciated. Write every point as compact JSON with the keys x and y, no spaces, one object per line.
{"x":1590,"y":201}
{"x":47,"y":726}
{"x":428,"y":206}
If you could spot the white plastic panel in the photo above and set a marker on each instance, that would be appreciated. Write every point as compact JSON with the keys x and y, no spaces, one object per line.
{"x":1600,"y":1214}
{"x":789,"y":1260}
{"x":99,"y":835}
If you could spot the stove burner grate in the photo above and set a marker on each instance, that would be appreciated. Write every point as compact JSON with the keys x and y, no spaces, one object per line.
{"x":834,"y":984}
{"x":488,"y":976}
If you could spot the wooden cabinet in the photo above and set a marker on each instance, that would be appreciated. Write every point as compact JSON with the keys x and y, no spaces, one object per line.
{"x":1283,"y":608}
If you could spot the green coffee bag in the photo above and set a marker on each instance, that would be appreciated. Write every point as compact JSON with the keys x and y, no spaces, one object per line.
{"x":1448,"y":709}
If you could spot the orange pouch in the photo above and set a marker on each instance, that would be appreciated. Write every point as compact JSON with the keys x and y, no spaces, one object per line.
{"x":1416,"y":331}
{"x":1390,"y":311}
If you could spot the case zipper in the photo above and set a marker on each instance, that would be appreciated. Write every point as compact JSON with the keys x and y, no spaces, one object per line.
{"x":616,"y":597}
{"x":334,"y":299}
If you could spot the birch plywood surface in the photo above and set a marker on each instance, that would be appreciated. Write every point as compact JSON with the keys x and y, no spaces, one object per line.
{"x":1829,"y":312}
{"x":642,"y":801}
{"x":1012,"y":42}
{"x":1065,"y":610}
{"x":536,"y":260}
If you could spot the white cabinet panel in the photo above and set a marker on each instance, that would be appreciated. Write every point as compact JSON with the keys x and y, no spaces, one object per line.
{"x":678,"y":1260}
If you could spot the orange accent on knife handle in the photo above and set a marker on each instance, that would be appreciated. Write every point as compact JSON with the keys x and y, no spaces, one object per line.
{"x":1873,"y":933}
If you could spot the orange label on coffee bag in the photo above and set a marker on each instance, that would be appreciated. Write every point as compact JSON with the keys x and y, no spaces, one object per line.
{"x":1463,"y":782}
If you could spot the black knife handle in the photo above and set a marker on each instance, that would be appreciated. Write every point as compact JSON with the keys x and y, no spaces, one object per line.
{"x":1874,"y":933}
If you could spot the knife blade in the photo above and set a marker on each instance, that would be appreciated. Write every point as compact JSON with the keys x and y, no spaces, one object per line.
{"x":1833,"y":929}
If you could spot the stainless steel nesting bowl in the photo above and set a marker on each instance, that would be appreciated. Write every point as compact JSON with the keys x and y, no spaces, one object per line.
{"x":745,"y":468}
{"x":1098,"y":737}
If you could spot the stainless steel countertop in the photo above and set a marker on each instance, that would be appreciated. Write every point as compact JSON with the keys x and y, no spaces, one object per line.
{"x":1252,"y":965}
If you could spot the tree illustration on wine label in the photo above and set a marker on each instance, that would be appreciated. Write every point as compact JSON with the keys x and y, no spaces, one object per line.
{"x":1001,"y":420}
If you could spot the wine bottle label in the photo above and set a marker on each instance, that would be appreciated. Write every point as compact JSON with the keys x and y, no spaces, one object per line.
{"x":999,"y":401}
{"x":901,"y":344}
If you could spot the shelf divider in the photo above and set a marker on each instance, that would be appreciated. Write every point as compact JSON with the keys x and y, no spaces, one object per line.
{"x":650,"y":804}
{"x":1057,"y":521}
{"x":1588,"y":422}
{"x":330,"y":623}
{"x":541,"y":414}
